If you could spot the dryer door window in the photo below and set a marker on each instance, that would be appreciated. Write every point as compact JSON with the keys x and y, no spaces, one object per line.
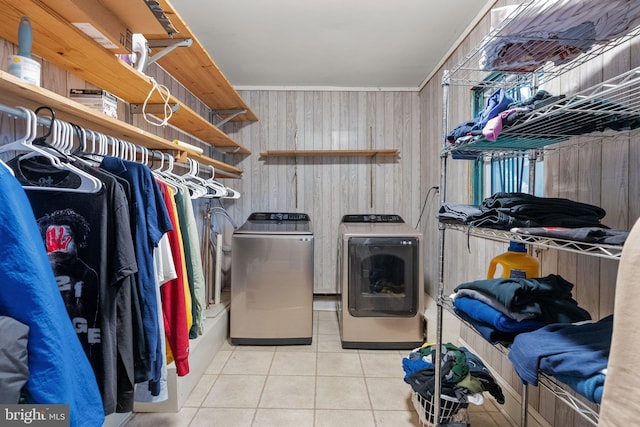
{"x":383,"y":276}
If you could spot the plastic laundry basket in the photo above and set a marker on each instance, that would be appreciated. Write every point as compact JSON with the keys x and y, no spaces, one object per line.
{"x":426,"y":410}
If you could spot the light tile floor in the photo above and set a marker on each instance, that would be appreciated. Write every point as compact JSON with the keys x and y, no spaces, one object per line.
{"x":314,"y":385}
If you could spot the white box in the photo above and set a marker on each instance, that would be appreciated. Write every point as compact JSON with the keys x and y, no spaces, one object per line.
{"x":97,"y":99}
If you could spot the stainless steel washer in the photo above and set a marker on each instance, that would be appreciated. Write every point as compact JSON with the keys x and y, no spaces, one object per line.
{"x":380,"y":283}
{"x":272,"y":280}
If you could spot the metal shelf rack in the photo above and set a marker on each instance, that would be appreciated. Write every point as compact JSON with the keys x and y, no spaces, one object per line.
{"x":611,"y":105}
{"x":593,"y":112}
{"x":599,"y":250}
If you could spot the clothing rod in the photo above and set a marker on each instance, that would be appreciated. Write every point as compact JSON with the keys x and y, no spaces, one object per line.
{"x":227,"y":174}
{"x":46,"y":121}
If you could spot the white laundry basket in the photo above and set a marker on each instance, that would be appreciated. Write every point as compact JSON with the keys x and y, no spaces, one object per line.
{"x":425,"y":408}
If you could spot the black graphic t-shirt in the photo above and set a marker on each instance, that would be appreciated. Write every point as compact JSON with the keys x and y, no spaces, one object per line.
{"x":73,"y":228}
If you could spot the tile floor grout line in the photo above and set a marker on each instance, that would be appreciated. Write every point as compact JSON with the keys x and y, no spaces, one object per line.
{"x":379,"y":363}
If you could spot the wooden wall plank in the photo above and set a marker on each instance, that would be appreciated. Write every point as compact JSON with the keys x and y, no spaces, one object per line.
{"x":328,"y":188}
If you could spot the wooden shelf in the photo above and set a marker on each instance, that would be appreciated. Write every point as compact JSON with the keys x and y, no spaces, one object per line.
{"x":192,"y":66}
{"x":59,"y":42}
{"x":330,"y":153}
{"x":16,"y":92}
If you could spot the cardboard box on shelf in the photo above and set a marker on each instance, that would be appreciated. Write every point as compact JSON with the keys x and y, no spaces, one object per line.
{"x":97,"y":99}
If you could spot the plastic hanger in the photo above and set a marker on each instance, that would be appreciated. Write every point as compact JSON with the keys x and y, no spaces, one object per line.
{"x":162,"y":175}
{"x":88,"y":183}
{"x":195,"y":190}
{"x":232,"y":194}
{"x":222,"y":190}
{"x":204,"y":185}
{"x":81,"y":153}
{"x":144,"y":156}
{"x":218,"y":189}
{"x":197,"y":184}
{"x":23,"y":143}
{"x":6,"y":166}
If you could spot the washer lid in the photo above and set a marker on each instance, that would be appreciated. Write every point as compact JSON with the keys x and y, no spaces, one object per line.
{"x":276,"y":223}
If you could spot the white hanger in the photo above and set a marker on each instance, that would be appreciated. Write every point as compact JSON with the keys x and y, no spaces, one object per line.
{"x":180,"y":179}
{"x":88,"y":183}
{"x":223,"y":191}
{"x":165,"y":175}
{"x":82,"y":154}
{"x":218,"y":189}
{"x":159,"y":168}
{"x":192,"y":175}
{"x":144,"y":155}
{"x":201,"y":188}
{"x":6,"y":166}
{"x":23,"y":143}
{"x":234,"y":194}
{"x":103,"y":145}
{"x":115,"y":147}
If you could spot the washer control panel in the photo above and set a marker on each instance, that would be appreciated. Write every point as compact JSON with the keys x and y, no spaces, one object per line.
{"x":278,"y":216}
{"x":373,"y":218}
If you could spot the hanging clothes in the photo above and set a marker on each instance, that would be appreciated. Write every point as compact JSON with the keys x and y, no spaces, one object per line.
{"x":151,"y":222}
{"x":59,"y":370}
{"x":193,"y":260}
{"x":176,"y":299}
{"x":14,"y":360}
{"x":118,"y":287}
{"x":164,"y":267}
{"x":74,"y":228}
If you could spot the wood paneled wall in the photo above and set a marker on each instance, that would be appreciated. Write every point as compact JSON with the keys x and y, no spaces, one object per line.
{"x":329,"y":187}
{"x":603,"y":172}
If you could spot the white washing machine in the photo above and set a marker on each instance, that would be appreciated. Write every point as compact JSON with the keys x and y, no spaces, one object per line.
{"x":380,"y":283}
{"x":272,"y":280}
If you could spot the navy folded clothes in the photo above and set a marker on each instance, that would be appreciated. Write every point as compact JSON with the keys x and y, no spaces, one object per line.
{"x":482,"y":312}
{"x":524,"y":201}
{"x":493,"y":302}
{"x":458,"y":213}
{"x":597,"y":235}
{"x":590,"y":387}
{"x":579,"y":350}
{"x":486,"y":331}
{"x":545,"y":298}
{"x":505,"y":211}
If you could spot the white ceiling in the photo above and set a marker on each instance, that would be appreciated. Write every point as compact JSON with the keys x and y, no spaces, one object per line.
{"x":392,"y":44}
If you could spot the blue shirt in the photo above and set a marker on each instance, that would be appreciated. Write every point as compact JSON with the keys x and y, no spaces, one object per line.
{"x":59,"y":369}
{"x":151,"y":222}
